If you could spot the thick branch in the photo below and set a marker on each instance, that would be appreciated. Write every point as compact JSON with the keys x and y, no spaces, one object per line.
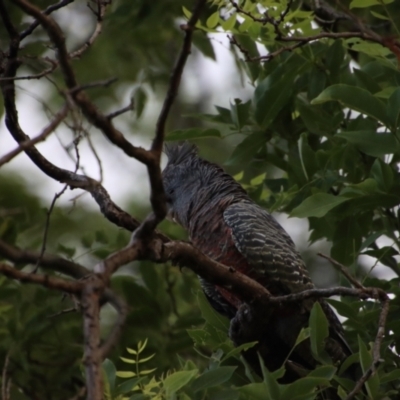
{"x":48,"y":261}
{"x":77,"y":271}
{"x":90,"y":302}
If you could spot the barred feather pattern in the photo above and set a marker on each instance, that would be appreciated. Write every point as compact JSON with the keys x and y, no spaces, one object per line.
{"x":225,"y":224}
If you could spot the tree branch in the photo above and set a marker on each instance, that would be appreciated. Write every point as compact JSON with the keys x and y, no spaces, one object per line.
{"x":90,"y":302}
{"x":48,"y":261}
{"x":157,"y":196}
{"x":47,"y":11}
{"x":94,"y":116}
{"x":101,"y":10}
{"x":359,"y":31}
{"x":50,"y":282}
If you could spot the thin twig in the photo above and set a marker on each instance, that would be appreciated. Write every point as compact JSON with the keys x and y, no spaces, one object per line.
{"x":95,"y":154}
{"x":343,"y":270}
{"x":103,"y":83}
{"x":47,"y":224}
{"x":90,"y":111}
{"x":47,"y":11}
{"x":376,"y":351}
{"x":62,"y":312}
{"x":30,"y":77}
{"x":240,"y":10}
{"x":101,"y":10}
{"x":4,"y":378}
{"x":123,"y":110}
{"x":42,"y":136}
{"x":359,"y":32}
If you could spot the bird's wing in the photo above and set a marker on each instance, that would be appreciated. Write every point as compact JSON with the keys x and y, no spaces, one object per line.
{"x":267,"y":247}
{"x":271,"y":253}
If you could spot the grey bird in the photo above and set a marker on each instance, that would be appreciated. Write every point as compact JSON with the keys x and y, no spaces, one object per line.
{"x":226,"y":225}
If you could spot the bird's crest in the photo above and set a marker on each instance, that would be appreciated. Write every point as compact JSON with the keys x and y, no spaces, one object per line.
{"x":179,"y":152}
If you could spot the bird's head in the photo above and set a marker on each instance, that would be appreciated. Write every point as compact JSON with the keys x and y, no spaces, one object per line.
{"x":180,"y":179}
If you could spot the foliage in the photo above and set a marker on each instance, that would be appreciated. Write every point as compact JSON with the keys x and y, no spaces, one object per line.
{"x":319,"y":139}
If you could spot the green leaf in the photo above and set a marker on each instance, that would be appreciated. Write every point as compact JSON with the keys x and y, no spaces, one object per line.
{"x":372,"y":384}
{"x":385,"y":93}
{"x":237,"y":350}
{"x":101,"y":237}
{"x":199,"y":336}
{"x":271,"y":379}
{"x":256,"y":391}
{"x":324,"y":371}
{"x":270,"y":97}
{"x":393,"y":108}
{"x":355,"y":98}
{"x":178,"y":380}
{"x":87,"y":241}
{"x":212,"y":378}
{"x":307,"y":157}
{"x":317,"y":81}
{"x":240,"y":113}
{"x":371,"y":49}
{"x":214,"y":318}
{"x":367,"y":81}
{"x":370,"y":142}
{"x":202,"y":42}
{"x":391,"y":376}
{"x":138,"y":396}
{"x":302,"y":336}
{"x":317,"y":205}
{"x":110,"y":373}
{"x":245,"y":151}
{"x":193,"y":133}
{"x":229,"y":23}
{"x":186,"y":12}
{"x":368,"y":3}
{"x":226,"y":394}
{"x":319,"y":331}
{"x":344,"y":309}
{"x":68,"y":251}
{"x":140,"y":99}
{"x":127,"y":386}
{"x":212,"y":20}
{"x":380,"y":16}
{"x":383,"y":174}
{"x":334,"y":58}
{"x":125,"y":374}
{"x":303,"y":388}
{"x":315,"y":119}
{"x":347,"y":239}
{"x":142,"y":345}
